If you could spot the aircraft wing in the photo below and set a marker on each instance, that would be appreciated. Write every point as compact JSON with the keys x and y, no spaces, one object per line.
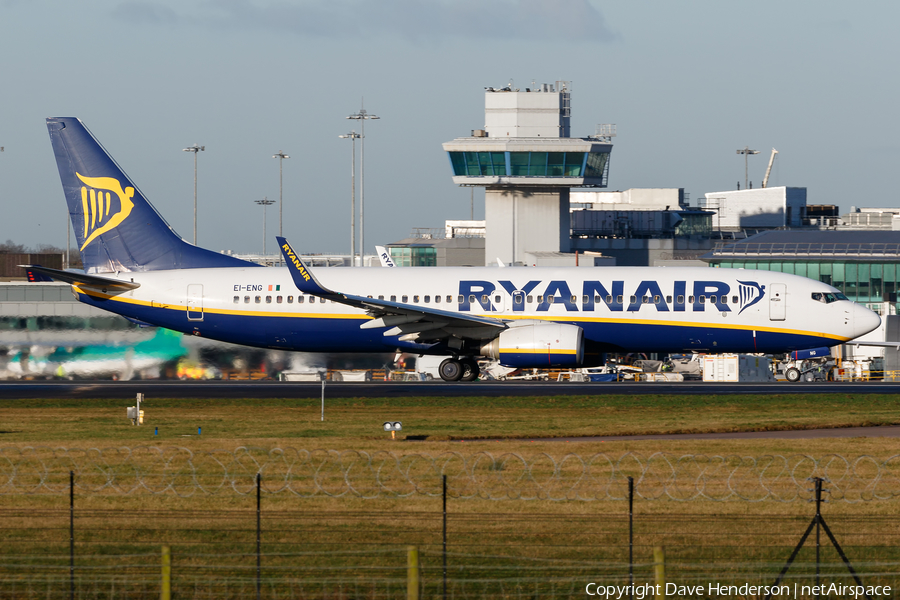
{"x":410,"y":322}
{"x":39,"y":273}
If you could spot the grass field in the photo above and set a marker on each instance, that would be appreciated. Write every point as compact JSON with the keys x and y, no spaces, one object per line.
{"x":334,"y":541}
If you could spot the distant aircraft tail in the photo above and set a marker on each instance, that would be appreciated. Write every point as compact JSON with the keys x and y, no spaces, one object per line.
{"x":116,"y":227}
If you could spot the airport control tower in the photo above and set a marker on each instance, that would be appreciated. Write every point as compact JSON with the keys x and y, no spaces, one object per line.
{"x":527,"y":163}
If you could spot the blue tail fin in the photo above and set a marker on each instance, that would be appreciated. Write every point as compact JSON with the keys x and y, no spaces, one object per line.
{"x":116,"y":228}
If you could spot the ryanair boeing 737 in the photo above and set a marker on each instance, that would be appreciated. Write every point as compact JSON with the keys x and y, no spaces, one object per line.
{"x":137,"y":267}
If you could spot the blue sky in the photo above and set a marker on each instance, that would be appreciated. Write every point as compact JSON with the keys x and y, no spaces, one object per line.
{"x":686,"y":84}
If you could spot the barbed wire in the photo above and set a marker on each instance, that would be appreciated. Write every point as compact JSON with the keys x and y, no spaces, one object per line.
{"x":338,"y":473}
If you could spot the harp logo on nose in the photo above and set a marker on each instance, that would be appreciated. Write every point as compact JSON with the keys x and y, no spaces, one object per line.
{"x":104,"y":205}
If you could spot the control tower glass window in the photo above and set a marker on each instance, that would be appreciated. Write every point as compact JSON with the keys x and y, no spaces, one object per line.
{"x":528,"y":164}
{"x":596,"y":164}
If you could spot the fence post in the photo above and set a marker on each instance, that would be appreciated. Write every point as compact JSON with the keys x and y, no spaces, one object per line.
{"x":258,"y":539}
{"x":412,"y":573}
{"x":631,"y":535}
{"x":444,"y":536}
{"x":659,"y":570}
{"x":72,"y":535}
{"x":165,"y":592}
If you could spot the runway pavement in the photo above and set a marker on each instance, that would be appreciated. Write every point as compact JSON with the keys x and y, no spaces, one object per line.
{"x":378,"y":389}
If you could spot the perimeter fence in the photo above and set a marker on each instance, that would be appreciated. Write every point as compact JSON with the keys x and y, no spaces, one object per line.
{"x":285,"y":523}
{"x":331,"y":473}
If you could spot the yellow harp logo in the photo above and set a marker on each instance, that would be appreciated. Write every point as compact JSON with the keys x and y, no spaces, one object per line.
{"x":96,"y":205}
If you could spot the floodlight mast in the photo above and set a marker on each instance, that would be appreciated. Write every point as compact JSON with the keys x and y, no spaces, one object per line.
{"x":264,"y":203}
{"x":280,"y":156}
{"x":746,"y":151}
{"x":362,"y":116}
{"x":195,"y":149}
{"x":353,"y":136}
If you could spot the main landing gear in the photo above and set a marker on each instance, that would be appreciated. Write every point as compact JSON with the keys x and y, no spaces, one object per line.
{"x":459,"y":369}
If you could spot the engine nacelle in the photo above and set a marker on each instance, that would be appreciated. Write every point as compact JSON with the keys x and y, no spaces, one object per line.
{"x":538,"y":344}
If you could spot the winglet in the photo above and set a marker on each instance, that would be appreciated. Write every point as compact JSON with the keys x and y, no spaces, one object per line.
{"x":303,"y":277}
{"x":385,"y":257}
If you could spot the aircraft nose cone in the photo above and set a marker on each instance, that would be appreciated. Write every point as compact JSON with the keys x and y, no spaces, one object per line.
{"x":864,"y":320}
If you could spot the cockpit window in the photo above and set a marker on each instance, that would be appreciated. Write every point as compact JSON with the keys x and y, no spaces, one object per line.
{"x":828,"y":297}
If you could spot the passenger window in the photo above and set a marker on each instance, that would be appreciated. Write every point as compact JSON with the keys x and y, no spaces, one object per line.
{"x":437,"y":299}
{"x":484,"y":298}
{"x":633,"y":299}
{"x":246,"y":299}
{"x":460,"y":299}
{"x":734,"y":299}
{"x":574,"y":299}
{"x":517,"y":299}
{"x":393,"y":298}
{"x":258,"y":299}
{"x":645,"y":300}
{"x":427,"y":299}
{"x":529,"y":299}
{"x":291,"y":299}
{"x":656,"y":299}
{"x":381,"y":297}
{"x":268,"y":299}
{"x":619,"y":299}
{"x":416,"y":298}
{"x":690,"y":299}
{"x":278,"y":299}
{"x":497,"y":299}
{"x":404,"y":298}
{"x":449,"y":299}
{"x":702,"y":299}
{"x":712,"y":299}
{"x":668,"y":299}
{"x":551,"y":299}
{"x":680,"y":300}
{"x":471,"y":299}
{"x":585,"y":299}
{"x":321,"y":300}
{"x":540,"y":299}
{"x":237,"y":299}
{"x":608,"y":299}
{"x":724,"y":299}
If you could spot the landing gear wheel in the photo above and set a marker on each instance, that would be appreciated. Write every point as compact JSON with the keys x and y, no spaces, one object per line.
{"x":470,"y":369}
{"x":450,"y":370}
{"x":792,"y":375}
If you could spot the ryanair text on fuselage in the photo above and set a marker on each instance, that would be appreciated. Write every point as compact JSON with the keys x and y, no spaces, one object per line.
{"x":646,"y":295}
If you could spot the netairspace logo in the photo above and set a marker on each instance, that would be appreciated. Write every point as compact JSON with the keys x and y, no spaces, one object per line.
{"x":796,"y":591}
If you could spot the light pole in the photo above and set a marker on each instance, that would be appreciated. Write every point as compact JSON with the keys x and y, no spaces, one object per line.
{"x":353,"y":137}
{"x":195,"y":149}
{"x":264,"y":203}
{"x":746,"y":151}
{"x":362,"y":116}
{"x":280,"y":156}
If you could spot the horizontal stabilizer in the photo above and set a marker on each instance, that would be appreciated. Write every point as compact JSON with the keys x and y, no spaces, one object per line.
{"x":81,"y":279}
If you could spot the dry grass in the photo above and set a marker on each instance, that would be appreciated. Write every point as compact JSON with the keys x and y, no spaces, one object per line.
{"x":348,"y":537}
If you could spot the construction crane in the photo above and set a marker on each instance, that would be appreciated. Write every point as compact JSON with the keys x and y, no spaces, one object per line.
{"x":769,"y":168}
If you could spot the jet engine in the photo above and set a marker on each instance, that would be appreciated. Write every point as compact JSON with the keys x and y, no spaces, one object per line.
{"x":537,"y":344}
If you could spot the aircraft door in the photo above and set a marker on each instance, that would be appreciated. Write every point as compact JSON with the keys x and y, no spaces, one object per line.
{"x":518,"y":301}
{"x":777,"y":301}
{"x":195,"y":302}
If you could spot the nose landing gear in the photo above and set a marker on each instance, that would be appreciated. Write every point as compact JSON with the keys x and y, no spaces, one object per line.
{"x":459,"y":369}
